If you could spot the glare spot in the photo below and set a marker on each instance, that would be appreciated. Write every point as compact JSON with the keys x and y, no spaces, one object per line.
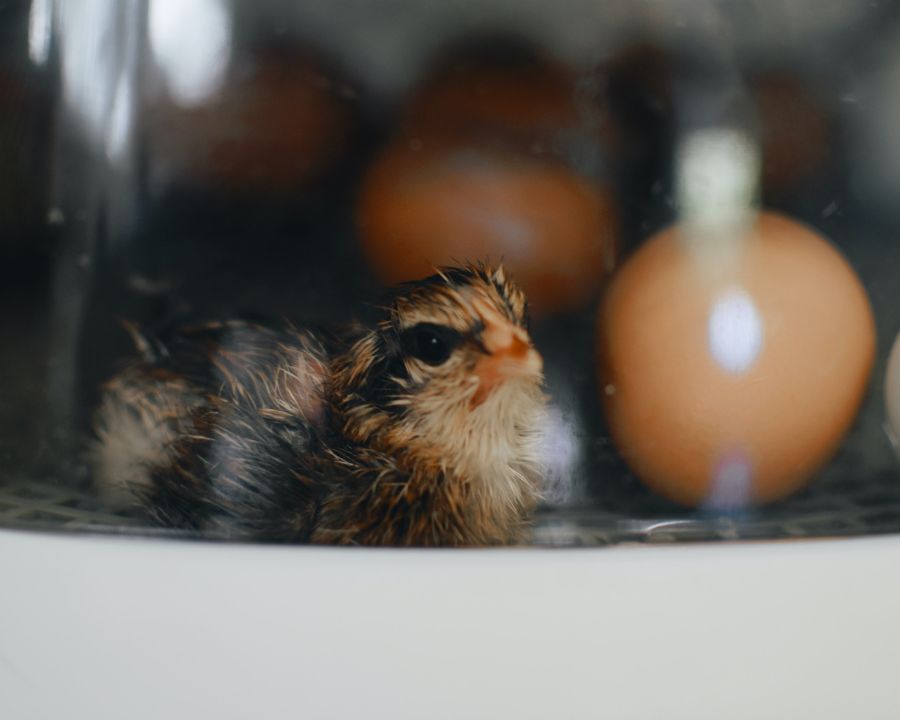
{"x":120,"y":121}
{"x":731,"y":483}
{"x":191,"y":44}
{"x":40,"y":27}
{"x":98,"y":53}
{"x":735,"y":332}
{"x":559,"y":453}
{"x":717,"y":174}
{"x":516,"y":238}
{"x":91,"y":58}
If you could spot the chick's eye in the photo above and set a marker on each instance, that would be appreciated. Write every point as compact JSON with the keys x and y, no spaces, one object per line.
{"x":432,"y":344}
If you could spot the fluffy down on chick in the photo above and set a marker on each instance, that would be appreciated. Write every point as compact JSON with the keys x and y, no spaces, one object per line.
{"x":420,"y":429}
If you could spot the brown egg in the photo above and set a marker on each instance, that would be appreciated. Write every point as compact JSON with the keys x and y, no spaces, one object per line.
{"x":535,"y":97}
{"x":446,"y":203}
{"x":511,"y":90}
{"x":279,"y":123}
{"x":731,"y":383}
{"x":794,"y":132}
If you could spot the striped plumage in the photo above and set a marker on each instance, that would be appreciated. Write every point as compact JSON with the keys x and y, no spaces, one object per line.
{"x":419,"y":430}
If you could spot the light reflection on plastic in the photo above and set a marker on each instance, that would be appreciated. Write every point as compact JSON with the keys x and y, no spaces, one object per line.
{"x":90,"y":61}
{"x":191,"y":44}
{"x":559,"y":453}
{"x":120,"y":120}
{"x":731,"y":484}
{"x":735,"y":332}
{"x":40,"y":27}
{"x":718,"y":170}
{"x":98,"y":47}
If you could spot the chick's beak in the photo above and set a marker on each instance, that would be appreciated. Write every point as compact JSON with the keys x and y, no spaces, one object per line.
{"x":509,"y":353}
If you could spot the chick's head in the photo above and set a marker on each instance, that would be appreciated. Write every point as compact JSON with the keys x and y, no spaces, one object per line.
{"x":450,"y":368}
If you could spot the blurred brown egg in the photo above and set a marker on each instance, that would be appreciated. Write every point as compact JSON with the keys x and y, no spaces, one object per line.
{"x":444,"y":203}
{"x":728,"y":384}
{"x":795,"y":133}
{"x":510,"y":89}
{"x":280,"y":122}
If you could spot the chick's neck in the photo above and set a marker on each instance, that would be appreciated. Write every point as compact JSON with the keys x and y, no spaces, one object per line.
{"x":392,"y":486}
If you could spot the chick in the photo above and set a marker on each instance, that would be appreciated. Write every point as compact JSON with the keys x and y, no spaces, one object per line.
{"x":422,"y":429}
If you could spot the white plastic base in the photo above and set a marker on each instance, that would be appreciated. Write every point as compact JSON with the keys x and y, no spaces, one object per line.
{"x":129,"y":628}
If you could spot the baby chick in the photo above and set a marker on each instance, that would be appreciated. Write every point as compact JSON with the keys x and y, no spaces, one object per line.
{"x":422,"y":429}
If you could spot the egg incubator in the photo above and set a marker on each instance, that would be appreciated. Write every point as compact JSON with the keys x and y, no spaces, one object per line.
{"x":699,"y":200}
